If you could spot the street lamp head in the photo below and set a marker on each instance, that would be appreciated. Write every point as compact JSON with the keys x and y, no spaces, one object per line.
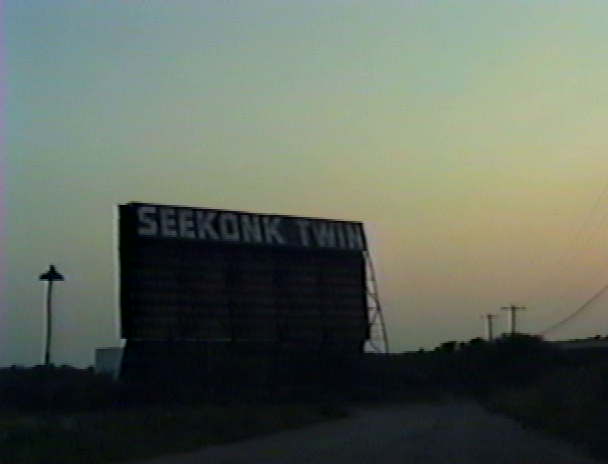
{"x":51,"y":275}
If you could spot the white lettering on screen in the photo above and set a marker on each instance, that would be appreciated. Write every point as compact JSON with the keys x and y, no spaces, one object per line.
{"x":167,"y":222}
{"x":271,"y":232}
{"x":229,"y":227}
{"x":354,"y":237}
{"x":205,"y":226}
{"x":324,"y":234}
{"x":303,"y":225}
{"x":251,"y":229}
{"x":340,"y":233}
{"x":146,"y":216}
{"x":186,"y":223}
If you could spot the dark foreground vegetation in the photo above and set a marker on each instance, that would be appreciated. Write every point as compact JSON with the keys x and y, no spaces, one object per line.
{"x":567,"y":398}
{"x":564,"y":393}
{"x":66,"y":415}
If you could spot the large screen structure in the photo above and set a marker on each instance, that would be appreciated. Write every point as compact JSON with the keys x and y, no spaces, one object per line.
{"x":215,"y":275}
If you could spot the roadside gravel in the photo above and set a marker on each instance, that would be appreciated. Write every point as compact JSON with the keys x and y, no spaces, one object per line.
{"x":453,"y":432}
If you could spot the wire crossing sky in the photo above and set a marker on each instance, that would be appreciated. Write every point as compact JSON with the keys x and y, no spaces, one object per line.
{"x":468,"y":136}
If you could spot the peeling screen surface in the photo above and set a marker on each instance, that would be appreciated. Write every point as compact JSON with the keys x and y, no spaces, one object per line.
{"x":244,"y":277}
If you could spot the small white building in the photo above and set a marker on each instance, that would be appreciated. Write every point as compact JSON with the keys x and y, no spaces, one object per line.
{"x":108,"y":361}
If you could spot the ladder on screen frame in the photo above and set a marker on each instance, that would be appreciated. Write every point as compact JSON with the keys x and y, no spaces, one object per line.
{"x":378,"y":339}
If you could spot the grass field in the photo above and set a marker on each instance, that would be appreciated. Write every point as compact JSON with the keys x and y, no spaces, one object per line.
{"x":571,"y":403}
{"x":64,"y":415}
{"x":100,"y":437}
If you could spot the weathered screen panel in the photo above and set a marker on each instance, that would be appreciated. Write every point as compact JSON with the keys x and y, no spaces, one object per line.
{"x":290,"y":283}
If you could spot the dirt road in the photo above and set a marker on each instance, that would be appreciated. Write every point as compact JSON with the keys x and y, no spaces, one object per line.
{"x":450,"y":433}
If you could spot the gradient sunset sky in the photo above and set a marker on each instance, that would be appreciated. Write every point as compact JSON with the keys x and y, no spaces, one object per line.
{"x":470,"y":137}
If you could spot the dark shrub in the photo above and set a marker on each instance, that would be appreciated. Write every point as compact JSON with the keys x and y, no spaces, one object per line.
{"x":51,"y":388}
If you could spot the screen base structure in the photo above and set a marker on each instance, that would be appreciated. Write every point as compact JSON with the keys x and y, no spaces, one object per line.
{"x":231,"y":371}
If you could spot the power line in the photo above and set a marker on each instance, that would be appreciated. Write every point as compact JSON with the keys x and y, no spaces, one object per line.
{"x":582,"y":308}
{"x":579,"y":235}
{"x":579,"y":240}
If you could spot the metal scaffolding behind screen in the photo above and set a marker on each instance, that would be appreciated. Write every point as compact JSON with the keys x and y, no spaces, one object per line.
{"x":377,"y":341}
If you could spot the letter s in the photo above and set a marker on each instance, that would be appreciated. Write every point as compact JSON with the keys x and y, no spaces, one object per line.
{"x":146,"y":216}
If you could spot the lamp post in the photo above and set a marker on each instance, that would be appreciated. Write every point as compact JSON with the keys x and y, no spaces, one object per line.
{"x":50,"y":276}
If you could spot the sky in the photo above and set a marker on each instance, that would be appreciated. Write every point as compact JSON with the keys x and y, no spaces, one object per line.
{"x":469,"y":136}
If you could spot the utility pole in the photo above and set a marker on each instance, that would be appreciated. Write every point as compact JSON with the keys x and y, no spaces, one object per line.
{"x":489,"y":332}
{"x":50,"y":276}
{"x":513,"y":316}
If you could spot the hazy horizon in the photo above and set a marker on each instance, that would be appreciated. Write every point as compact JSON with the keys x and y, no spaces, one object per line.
{"x":467,"y":136}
